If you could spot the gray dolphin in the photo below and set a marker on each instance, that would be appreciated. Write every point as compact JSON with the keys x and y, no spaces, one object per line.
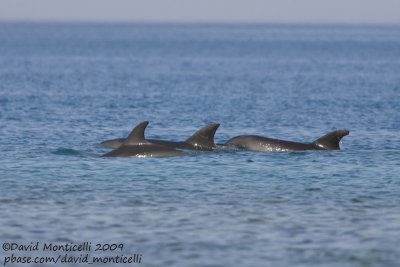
{"x":203,"y":139}
{"x":136,"y":145}
{"x":329,"y":141}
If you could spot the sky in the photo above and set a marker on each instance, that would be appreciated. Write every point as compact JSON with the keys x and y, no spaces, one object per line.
{"x":230,"y":11}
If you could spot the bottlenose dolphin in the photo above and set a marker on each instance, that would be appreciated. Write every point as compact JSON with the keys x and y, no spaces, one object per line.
{"x":136,"y":145}
{"x":329,"y":141}
{"x":203,"y":139}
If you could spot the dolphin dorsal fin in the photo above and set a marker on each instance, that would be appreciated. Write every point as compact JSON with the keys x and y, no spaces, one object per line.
{"x":204,"y":137}
{"x":331,"y":140}
{"x":136,"y":137}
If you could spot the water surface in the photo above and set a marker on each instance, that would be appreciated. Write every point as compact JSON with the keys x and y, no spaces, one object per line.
{"x":66,"y":87}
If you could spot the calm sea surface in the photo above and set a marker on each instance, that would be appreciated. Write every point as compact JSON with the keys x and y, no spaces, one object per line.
{"x":66,"y":87}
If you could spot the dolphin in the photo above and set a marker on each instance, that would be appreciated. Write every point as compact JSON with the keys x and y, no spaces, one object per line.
{"x":136,"y":145}
{"x":330,"y":141}
{"x":203,"y":139}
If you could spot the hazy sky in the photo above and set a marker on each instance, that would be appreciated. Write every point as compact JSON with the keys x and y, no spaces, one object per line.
{"x":327,"y":11}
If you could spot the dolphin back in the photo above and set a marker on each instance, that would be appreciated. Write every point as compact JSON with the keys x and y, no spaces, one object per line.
{"x":145,"y":150}
{"x":204,"y":137}
{"x":113,"y":143}
{"x":331,"y":140}
{"x":136,"y":145}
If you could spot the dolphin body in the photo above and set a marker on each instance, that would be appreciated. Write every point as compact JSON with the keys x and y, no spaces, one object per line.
{"x":203,"y":139}
{"x":329,"y":141}
{"x":136,"y":145}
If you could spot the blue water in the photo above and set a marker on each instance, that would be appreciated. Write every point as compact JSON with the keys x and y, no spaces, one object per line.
{"x":66,"y":87}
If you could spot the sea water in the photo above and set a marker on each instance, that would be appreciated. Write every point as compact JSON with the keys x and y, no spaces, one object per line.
{"x":66,"y":87}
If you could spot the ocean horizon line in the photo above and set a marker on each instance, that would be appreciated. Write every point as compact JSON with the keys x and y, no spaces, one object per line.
{"x":203,"y":23}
